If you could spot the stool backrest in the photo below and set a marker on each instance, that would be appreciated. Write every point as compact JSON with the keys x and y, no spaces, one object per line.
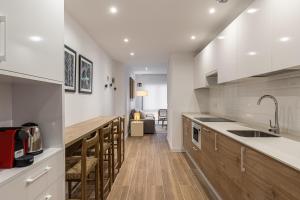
{"x":87,"y":144}
{"x":116,"y":126}
{"x":105,"y":133}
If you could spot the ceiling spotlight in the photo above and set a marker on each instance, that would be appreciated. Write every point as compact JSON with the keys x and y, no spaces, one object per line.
{"x":126,"y":40}
{"x":252,"y":53}
{"x":132,"y":53}
{"x":221,"y":37}
{"x":284,"y":39}
{"x":222,"y":1}
{"x":212,"y":10}
{"x":193,"y":37}
{"x":113,"y":10}
{"x":35,"y":38}
{"x":252,"y":10}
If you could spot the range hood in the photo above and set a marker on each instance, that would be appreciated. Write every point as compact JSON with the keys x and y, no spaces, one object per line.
{"x":212,"y":77}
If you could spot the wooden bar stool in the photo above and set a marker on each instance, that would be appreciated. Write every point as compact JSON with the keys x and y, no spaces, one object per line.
{"x":117,"y":148}
{"x":83,"y":166}
{"x":105,"y":160}
{"x":122,"y":133}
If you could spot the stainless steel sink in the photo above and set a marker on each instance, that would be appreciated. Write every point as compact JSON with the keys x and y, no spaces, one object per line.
{"x":251,"y":133}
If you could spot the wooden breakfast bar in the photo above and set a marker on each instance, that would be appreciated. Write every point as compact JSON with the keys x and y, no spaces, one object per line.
{"x":95,"y":146}
{"x":83,"y":129}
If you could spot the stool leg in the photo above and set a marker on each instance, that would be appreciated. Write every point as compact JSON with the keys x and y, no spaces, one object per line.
{"x":97,"y":182}
{"x":69,"y":190}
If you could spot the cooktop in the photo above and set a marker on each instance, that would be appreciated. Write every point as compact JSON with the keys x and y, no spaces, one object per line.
{"x":213,"y":119}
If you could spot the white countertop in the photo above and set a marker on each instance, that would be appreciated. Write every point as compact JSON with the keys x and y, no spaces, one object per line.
{"x":282,"y":149}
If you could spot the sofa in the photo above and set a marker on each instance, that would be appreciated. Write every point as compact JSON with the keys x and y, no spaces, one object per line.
{"x":149,"y":122}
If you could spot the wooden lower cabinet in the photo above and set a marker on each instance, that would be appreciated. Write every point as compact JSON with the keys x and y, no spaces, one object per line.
{"x":251,"y":176}
{"x":266,"y":178}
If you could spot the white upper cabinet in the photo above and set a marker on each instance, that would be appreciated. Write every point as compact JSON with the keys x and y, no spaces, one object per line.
{"x":253,"y":39}
{"x":199,"y":74}
{"x":33,"y":43}
{"x":227,"y":53}
{"x":205,"y":64}
{"x":285,"y":34}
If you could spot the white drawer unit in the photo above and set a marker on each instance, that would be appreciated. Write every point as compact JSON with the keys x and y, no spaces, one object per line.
{"x":44,"y":180}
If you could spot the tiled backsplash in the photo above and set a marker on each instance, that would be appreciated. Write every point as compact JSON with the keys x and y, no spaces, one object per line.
{"x":239,"y":101}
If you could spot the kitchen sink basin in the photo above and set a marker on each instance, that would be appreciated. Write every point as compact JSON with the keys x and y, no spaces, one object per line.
{"x":251,"y":133}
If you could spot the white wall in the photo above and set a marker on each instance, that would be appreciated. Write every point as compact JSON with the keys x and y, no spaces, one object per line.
{"x":156,"y":85}
{"x":5,"y":104}
{"x":239,"y":101}
{"x":181,"y":96}
{"x":79,"y":107}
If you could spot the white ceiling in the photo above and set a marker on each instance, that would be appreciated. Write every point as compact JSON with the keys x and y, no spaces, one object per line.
{"x":156,"y":28}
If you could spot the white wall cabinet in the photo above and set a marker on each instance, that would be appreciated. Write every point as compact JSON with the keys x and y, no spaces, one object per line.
{"x":254,"y":48}
{"x":34,"y":37}
{"x":263,"y":39}
{"x":227,"y":56}
{"x":285,"y":34}
{"x":205,"y":63}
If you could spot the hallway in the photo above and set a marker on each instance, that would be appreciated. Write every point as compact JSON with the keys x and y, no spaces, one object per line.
{"x":152,"y":172}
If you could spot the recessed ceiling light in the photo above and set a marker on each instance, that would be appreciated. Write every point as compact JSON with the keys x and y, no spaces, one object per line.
{"x":252,"y":53}
{"x":113,"y":10}
{"x":126,"y":40}
{"x":193,"y":37}
{"x":132,"y":53}
{"x":212,"y":10}
{"x":284,"y":39}
{"x":252,"y":10}
{"x":221,"y":37}
{"x":35,"y":38}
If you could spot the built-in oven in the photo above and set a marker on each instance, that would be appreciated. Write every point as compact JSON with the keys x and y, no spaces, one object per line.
{"x":196,"y":134}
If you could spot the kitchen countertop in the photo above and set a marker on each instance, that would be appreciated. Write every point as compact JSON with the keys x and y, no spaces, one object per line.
{"x":282,"y":149}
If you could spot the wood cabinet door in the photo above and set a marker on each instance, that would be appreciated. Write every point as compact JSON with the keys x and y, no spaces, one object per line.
{"x":208,"y":160}
{"x":185,"y":133}
{"x":228,"y":158}
{"x":266,"y":178}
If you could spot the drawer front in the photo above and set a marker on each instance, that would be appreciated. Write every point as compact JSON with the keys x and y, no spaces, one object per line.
{"x":57,"y":164}
{"x":40,"y":177}
{"x":15,"y":189}
{"x":54,"y":192}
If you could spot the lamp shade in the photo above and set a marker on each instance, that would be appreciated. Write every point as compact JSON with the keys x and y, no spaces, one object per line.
{"x":141,"y":93}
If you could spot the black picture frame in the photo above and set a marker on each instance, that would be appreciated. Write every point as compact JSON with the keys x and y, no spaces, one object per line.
{"x":70,"y":58}
{"x":85,"y":77}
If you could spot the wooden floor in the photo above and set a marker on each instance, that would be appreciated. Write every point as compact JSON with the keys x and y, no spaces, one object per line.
{"x":152,"y":172}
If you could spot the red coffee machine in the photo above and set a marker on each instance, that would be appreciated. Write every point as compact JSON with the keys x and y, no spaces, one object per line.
{"x":13,"y":148}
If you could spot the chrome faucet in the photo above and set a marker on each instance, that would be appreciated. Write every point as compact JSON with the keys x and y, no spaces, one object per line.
{"x":274,"y":129}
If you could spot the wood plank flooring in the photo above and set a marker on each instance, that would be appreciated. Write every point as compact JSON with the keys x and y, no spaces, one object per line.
{"x":152,"y":172}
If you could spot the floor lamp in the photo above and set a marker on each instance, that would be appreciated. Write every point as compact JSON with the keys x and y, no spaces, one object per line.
{"x":142,"y":93}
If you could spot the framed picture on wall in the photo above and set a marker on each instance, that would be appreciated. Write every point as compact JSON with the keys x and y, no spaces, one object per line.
{"x":85,"y":75}
{"x":70,"y":69}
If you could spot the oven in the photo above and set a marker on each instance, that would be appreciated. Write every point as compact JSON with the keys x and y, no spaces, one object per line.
{"x":196,"y":134}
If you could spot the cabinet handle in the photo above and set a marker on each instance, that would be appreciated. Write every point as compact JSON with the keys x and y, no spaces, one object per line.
{"x":48,"y":197}
{"x":45,"y":171}
{"x":242,"y":159}
{"x":3,"y":56}
{"x":216,"y":148}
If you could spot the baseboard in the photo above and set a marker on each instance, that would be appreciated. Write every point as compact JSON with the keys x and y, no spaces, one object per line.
{"x":213,"y":193}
